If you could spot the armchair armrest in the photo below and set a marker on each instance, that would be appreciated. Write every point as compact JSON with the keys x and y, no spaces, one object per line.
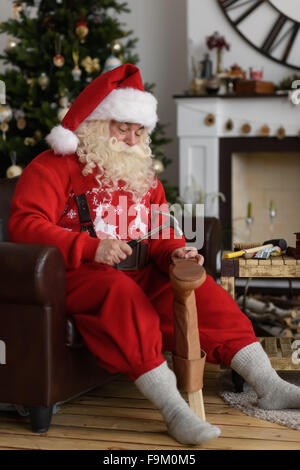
{"x":212,"y":244}
{"x":31,"y":274}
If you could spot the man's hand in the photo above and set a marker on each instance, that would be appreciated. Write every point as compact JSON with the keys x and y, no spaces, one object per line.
{"x":111,"y":251}
{"x":187,"y":252}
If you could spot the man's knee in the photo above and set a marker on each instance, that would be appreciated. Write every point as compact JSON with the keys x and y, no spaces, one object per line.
{"x":88,"y":287}
{"x":122,"y":284}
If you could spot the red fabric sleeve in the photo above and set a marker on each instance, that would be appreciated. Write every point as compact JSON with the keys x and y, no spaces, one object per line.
{"x":160,"y":247}
{"x":37,"y":205}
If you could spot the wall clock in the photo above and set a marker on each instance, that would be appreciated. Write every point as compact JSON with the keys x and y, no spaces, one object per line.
{"x":271,"y":26}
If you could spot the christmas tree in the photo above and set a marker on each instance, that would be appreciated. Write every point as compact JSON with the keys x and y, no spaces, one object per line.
{"x":55,"y":48}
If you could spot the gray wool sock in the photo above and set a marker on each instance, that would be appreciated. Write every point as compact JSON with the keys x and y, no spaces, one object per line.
{"x":274,"y":393}
{"x":159,"y":386}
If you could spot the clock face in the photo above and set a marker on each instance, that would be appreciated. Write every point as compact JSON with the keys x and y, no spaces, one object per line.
{"x":271,"y":26}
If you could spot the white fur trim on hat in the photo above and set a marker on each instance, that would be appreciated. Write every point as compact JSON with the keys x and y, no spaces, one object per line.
{"x":128,"y":105}
{"x":62,"y":140}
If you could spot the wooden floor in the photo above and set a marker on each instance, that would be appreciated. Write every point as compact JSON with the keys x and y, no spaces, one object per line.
{"x":118,"y":417}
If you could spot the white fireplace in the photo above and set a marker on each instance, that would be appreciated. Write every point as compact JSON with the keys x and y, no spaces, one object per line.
{"x":208,"y":125}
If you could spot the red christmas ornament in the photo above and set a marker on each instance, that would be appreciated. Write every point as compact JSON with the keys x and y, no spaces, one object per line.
{"x":59,"y":60}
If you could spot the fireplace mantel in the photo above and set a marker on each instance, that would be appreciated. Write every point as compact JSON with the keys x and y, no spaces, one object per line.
{"x":199,"y":143}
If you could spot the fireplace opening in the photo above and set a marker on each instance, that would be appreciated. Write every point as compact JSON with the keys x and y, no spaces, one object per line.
{"x":260,"y":178}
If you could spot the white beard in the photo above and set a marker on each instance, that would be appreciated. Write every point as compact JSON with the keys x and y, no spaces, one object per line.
{"x":117,"y":161}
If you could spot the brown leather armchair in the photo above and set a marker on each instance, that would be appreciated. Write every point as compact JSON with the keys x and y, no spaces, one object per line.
{"x":212,"y":244}
{"x":43,"y":360}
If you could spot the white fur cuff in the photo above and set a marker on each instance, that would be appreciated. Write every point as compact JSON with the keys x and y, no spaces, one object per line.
{"x":128,"y":105}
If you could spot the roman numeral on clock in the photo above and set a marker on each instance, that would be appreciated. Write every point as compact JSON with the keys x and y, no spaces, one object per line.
{"x":270,"y":44}
{"x":295,"y":29}
{"x":234,"y":4}
{"x":229,"y":3}
{"x":249,"y":11}
{"x":275,"y":30}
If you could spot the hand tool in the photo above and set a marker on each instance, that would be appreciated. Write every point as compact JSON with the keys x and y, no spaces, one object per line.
{"x":172,"y":222}
{"x":281,"y":242}
{"x":267,"y":244}
{"x":237,"y":254}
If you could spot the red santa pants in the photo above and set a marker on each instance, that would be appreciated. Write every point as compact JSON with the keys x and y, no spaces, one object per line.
{"x":126,"y":318}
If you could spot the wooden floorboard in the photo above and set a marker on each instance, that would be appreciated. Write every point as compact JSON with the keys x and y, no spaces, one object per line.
{"x":118,"y":417}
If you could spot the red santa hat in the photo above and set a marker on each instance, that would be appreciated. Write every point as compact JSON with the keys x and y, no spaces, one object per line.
{"x":118,"y":94}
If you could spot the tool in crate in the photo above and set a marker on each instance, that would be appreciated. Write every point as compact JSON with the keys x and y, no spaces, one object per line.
{"x":269,"y":248}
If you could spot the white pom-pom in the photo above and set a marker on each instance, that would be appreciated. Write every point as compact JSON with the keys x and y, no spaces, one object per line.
{"x":62,"y":140}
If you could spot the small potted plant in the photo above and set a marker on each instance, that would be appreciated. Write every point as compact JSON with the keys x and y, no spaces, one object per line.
{"x":215,"y":41}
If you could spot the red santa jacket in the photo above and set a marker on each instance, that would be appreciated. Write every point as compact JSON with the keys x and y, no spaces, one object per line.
{"x":44,"y":211}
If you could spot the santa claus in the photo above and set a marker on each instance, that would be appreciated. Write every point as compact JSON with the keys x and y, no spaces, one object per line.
{"x":89,"y":195}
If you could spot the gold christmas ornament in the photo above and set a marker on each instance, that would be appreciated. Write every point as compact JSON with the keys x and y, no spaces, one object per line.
{"x":246,"y":128}
{"x":76,"y":72}
{"x":157,"y":166}
{"x":5,"y":116}
{"x":82,"y":30}
{"x":43,"y":81}
{"x":11,"y":44}
{"x":280,"y":133}
{"x":20,"y":118}
{"x":116,"y":48}
{"x":62,"y":112}
{"x":13,"y":171}
{"x":29,"y":141}
{"x":64,"y":102}
{"x":58,"y":59}
{"x":38,"y":135}
{"x":30,"y":81}
{"x":90,"y":65}
{"x":210,"y":120}
{"x":21,"y":124}
{"x":264,"y":131}
{"x":4,"y":126}
{"x":5,"y":113}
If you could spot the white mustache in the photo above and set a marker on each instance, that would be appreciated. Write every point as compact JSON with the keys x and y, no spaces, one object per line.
{"x":117,"y":146}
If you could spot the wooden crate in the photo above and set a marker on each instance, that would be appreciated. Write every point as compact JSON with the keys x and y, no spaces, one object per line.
{"x":252,"y":87}
{"x":280,"y":352}
{"x":277,"y":266}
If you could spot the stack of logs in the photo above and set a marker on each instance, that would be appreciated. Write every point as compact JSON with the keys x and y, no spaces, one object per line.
{"x":272,"y":316}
